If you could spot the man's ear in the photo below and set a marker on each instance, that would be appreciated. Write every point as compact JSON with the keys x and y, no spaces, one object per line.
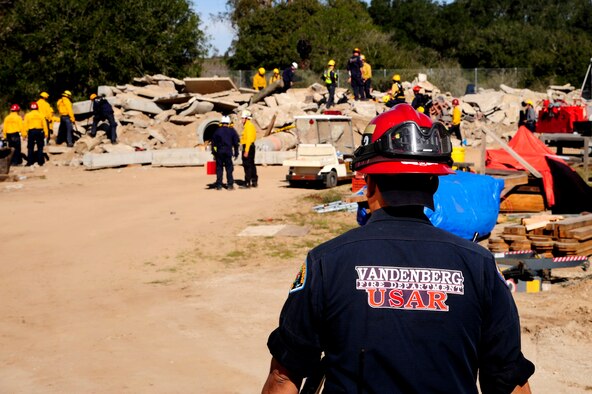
{"x":370,"y":187}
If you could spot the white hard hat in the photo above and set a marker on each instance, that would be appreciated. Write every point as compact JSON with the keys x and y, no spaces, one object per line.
{"x":295,"y":65}
{"x":225,"y":119}
{"x":246,"y":114}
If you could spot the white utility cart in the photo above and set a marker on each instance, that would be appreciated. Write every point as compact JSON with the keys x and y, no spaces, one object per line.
{"x":325,"y":153}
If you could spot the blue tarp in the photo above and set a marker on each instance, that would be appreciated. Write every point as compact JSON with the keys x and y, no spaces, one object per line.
{"x":466,"y":203}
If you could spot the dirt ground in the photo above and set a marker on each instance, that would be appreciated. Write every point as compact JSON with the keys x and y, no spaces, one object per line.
{"x":134,"y":280}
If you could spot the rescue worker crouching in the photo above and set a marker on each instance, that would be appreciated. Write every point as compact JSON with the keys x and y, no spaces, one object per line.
{"x":224,"y":149}
{"x":67,"y":120}
{"x":36,"y":131}
{"x":398,"y":305}
{"x":102,"y":110}
{"x":330,"y":79}
{"x":247,"y":142}
{"x":12,"y":129}
{"x":276,"y":76}
{"x":397,"y":93}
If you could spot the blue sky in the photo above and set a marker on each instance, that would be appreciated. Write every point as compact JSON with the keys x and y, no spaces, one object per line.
{"x":220,"y":33}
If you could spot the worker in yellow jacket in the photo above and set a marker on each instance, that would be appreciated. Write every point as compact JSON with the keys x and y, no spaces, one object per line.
{"x":13,"y":127}
{"x":36,"y":131}
{"x":366,"y":77}
{"x":259,"y":82}
{"x":276,"y":76}
{"x":65,"y":132}
{"x":456,"y":118}
{"x":247,"y":142}
{"x":47,"y":111}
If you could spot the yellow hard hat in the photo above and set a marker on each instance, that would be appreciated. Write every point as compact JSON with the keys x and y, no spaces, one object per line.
{"x":93,"y":96}
{"x":67,"y":93}
{"x":396,"y":77}
{"x":44,"y":95}
{"x":331,"y":62}
{"x":362,"y":57}
{"x":276,"y":71}
{"x":529,"y":102}
{"x":261,"y":70}
{"x":357,"y":50}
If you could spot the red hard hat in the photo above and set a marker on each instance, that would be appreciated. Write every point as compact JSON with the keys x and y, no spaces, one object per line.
{"x":404,"y":141}
{"x":454,"y":101}
{"x":15,"y":107}
{"x":416,"y":88}
{"x":33,"y":105}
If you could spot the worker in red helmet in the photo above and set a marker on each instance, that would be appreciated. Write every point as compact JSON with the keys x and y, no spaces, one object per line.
{"x":398,"y":305}
{"x":456,"y":118}
{"x":421,"y":102}
{"x":13,"y":127}
{"x":36,"y":131}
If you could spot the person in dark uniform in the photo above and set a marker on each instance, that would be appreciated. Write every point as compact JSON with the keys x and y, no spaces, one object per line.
{"x":224,"y":149}
{"x":354,"y":68}
{"x":102,"y":111}
{"x":421,"y":102}
{"x":398,"y":305}
{"x":288,"y":76}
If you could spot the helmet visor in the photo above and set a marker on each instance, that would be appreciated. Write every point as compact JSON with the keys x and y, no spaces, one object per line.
{"x":408,"y":140}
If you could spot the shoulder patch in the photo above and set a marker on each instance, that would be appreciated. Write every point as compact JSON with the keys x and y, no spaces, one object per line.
{"x":300,"y":280}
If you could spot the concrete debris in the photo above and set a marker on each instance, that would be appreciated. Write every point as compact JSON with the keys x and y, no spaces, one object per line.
{"x":159,"y":113}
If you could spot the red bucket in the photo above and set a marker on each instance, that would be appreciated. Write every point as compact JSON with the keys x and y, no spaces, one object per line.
{"x":211,"y":168}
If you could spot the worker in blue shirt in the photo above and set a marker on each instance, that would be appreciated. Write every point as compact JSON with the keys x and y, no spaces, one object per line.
{"x":225,"y":149}
{"x":398,"y":305}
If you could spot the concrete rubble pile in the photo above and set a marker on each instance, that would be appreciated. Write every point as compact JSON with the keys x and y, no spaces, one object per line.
{"x":167,"y":121}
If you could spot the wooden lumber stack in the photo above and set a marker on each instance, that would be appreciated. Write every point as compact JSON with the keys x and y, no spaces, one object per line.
{"x":548,"y":235}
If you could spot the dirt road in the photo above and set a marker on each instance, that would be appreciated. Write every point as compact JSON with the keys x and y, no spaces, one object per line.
{"x":133,"y":280}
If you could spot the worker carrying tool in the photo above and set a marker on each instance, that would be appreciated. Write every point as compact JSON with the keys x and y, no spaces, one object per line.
{"x":36,"y":131}
{"x":259,"y":82}
{"x":398,"y":305}
{"x":12,"y":129}
{"x":67,"y":120}
{"x":103,"y":111}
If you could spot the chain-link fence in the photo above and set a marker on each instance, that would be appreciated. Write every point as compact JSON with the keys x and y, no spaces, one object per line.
{"x":457,"y":81}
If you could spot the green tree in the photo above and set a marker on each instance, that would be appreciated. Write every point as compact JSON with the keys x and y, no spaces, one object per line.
{"x":54,"y":45}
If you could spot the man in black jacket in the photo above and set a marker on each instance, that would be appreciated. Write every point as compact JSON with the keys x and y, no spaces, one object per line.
{"x":102,"y":111}
{"x":224,"y":149}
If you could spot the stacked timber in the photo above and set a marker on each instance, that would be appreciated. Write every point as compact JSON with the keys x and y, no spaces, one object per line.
{"x":548,"y":235}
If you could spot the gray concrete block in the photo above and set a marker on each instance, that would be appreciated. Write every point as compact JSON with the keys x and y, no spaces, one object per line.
{"x":208,"y":85}
{"x":180,"y":157}
{"x":93,"y":161}
{"x":142,"y":105}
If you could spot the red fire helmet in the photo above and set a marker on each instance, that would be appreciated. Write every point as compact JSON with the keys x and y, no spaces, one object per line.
{"x":15,"y":107}
{"x":404,"y":141}
{"x":33,"y":105}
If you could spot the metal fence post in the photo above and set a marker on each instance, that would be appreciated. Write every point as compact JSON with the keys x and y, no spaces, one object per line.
{"x":475,"y":79}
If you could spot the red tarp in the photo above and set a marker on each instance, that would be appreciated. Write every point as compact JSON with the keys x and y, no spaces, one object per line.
{"x":533,"y":151}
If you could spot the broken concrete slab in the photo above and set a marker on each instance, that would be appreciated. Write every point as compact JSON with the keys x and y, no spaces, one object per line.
{"x":270,"y":101}
{"x":155,"y":91}
{"x":106,"y":91}
{"x":197,"y":107}
{"x":365,"y":108}
{"x":56,"y":149}
{"x":136,"y":122}
{"x":142,"y":105}
{"x":286,"y":99}
{"x":182,"y":120}
{"x":165,"y":115}
{"x":173,"y":99}
{"x":270,"y":89}
{"x":240,"y":98}
{"x":118,"y":148}
{"x":156,"y":135}
{"x":93,"y":161}
{"x":208,"y":85}
{"x":219,"y":104}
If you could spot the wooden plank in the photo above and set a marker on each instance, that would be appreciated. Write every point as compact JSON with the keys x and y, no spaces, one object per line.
{"x":512,"y":152}
{"x":515,"y":229}
{"x":523,"y":203}
{"x":563,"y":226}
{"x":581,"y":233}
